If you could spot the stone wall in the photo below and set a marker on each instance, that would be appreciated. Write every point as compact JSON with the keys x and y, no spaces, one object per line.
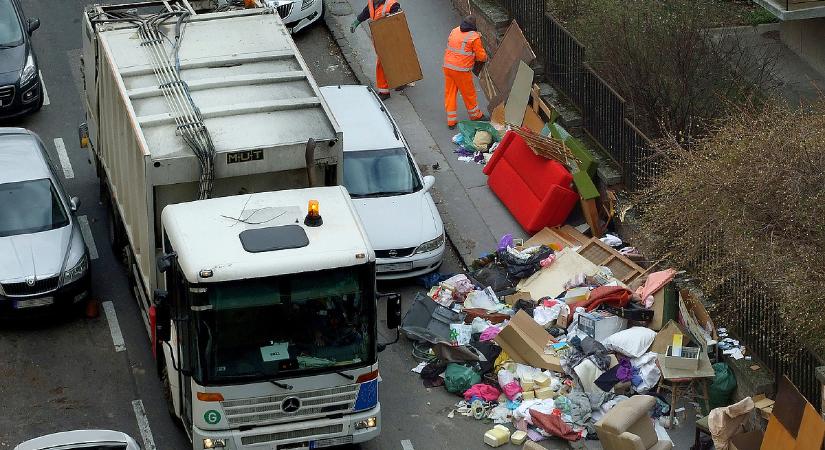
{"x":492,"y":20}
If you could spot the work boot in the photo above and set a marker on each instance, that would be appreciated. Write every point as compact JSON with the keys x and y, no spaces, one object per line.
{"x":383,"y":95}
{"x":483,"y":118}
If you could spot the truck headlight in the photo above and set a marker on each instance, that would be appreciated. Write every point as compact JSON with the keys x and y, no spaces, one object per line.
{"x":29,"y":71}
{"x":306,"y":4}
{"x":76,"y":272}
{"x":214,"y":443}
{"x":370,"y":422}
{"x":433,"y":244}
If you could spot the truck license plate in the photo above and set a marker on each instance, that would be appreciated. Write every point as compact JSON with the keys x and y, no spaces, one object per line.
{"x":33,"y":303}
{"x":393,"y":267}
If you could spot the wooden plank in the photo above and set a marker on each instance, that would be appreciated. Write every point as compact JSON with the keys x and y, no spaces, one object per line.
{"x":532,"y":121}
{"x":394,"y":45}
{"x":573,"y":235}
{"x":519,"y":95}
{"x":591,"y":215}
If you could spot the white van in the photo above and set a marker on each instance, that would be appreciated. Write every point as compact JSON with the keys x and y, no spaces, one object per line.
{"x":389,"y":192}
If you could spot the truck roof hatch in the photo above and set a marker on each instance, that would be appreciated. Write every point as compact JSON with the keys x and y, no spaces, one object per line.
{"x":273,"y":238}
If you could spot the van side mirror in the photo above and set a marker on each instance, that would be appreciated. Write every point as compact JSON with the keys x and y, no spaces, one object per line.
{"x":34,"y":24}
{"x":393,"y":302}
{"x":163,"y":316}
{"x":429,"y":181}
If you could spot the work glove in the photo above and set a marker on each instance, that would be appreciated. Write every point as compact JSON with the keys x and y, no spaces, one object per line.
{"x":354,"y":26}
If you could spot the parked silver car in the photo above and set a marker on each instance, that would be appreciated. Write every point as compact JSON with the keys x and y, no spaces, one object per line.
{"x":81,"y":440}
{"x":43,"y":258}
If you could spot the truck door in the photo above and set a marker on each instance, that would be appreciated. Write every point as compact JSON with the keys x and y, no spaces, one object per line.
{"x":177,"y":288}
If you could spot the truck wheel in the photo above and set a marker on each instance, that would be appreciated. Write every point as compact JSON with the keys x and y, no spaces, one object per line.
{"x":167,"y":392}
{"x":116,"y":236}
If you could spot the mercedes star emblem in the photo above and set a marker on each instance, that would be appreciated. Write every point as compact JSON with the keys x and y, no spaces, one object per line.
{"x":291,"y":404}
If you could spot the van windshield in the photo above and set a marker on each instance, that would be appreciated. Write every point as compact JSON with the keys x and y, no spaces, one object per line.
{"x":11,"y":34}
{"x":380,"y":173}
{"x":30,"y":207}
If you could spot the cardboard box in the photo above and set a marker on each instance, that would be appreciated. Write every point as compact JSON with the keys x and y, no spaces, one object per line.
{"x":665,"y":337}
{"x":665,"y":307}
{"x":515,"y":297}
{"x":601,"y":324}
{"x":524,"y":341}
{"x":688,"y":361}
{"x":394,"y":45}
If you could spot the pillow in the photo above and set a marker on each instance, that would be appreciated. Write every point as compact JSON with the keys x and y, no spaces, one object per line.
{"x":632,"y":342}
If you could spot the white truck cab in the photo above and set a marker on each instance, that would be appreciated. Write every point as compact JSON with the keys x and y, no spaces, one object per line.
{"x":269,"y":320}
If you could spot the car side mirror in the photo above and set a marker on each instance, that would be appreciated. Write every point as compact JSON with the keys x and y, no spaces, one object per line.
{"x":34,"y":24}
{"x":429,"y":181}
{"x":393,"y":302}
{"x":74,"y":203}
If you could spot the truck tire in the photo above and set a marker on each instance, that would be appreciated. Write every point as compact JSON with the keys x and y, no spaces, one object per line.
{"x":115,"y":235}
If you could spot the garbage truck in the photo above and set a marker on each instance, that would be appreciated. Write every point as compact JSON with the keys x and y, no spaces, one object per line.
{"x":219,"y":163}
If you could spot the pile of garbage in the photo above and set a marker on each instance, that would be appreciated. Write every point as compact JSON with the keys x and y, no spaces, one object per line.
{"x":539,"y":338}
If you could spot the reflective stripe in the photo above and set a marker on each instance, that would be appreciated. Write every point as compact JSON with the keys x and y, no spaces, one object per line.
{"x":383,"y":91}
{"x":463,"y":49}
{"x":457,"y":69}
{"x":382,"y":10}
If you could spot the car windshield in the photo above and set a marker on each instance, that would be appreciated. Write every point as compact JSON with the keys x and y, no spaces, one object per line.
{"x":11,"y":34}
{"x":281,"y":326}
{"x":377,"y":173}
{"x":30,"y":207}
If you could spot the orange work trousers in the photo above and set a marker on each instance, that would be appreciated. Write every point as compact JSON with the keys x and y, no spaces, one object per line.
{"x":455,"y":82}
{"x":380,"y":79}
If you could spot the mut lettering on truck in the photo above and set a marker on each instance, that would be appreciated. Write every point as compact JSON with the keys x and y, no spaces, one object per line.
{"x":244,"y":156}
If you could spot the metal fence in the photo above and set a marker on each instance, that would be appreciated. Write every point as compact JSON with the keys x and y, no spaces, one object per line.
{"x":603,"y":113}
{"x":602,"y":109}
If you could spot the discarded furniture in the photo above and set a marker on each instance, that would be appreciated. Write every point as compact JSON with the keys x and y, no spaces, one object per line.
{"x":685,"y":383}
{"x":628,"y":426}
{"x":536,"y":190}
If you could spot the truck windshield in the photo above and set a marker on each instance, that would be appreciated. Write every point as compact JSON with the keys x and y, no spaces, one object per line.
{"x":380,"y":173}
{"x":281,"y":326}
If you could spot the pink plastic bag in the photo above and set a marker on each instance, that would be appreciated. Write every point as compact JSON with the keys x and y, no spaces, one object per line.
{"x":489,"y":334}
{"x":512,"y":390}
{"x":483,"y":391}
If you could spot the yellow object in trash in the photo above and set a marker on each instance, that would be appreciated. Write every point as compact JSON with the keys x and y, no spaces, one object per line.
{"x":527,"y":385}
{"x":528,"y":395}
{"x":545,"y":393}
{"x":497,"y":436}
{"x":542,"y":380}
{"x":502,"y":359}
{"x":482,"y":140}
{"x":518,"y":437}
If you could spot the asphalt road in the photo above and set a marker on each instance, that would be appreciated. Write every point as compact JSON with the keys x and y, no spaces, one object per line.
{"x":66,"y":373}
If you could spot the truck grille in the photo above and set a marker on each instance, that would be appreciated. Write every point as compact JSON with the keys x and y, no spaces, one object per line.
{"x":6,"y":95}
{"x":395,"y":252}
{"x":318,"y":403}
{"x":284,"y":10}
{"x":293,"y":434}
{"x":40,"y":286}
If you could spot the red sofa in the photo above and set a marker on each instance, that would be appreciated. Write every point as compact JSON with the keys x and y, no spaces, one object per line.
{"x":536,"y":190}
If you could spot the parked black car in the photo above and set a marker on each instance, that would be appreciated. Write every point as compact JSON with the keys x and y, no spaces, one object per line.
{"x":21,"y":91}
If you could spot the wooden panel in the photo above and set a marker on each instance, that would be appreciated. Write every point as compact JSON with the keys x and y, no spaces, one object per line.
{"x":776,"y":436}
{"x":519,"y":95}
{"x":602,"y":254}
{"x":504,"y":63}
{"x":591,"y":215}
{"x":394,"y":46}
{"x":811,"y":430}
{"x":532,"y":121}
{"x":789,"y":406}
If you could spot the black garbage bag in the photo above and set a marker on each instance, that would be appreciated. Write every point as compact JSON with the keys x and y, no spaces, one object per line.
{"x":518,"y":269}
{"x":493,"y":275}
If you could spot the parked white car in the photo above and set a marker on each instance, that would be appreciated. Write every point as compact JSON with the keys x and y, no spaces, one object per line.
{"x":298,"y":14}
{"x":389,"y":193}
{"x":81,"y":439}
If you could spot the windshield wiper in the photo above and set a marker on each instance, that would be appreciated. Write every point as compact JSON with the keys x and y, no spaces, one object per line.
{"x":345,"y":375}
{"x":388,"y":193}
{"x":281,"y":385}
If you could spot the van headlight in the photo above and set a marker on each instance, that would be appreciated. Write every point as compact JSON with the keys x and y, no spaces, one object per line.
{"x":431,"y":245}
{"x":214,"y":443}
{"x":29,"y":71}
{"x":306,"y":4}
{"x":76,"y":272}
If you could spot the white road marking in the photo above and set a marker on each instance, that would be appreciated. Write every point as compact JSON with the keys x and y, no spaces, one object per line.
{"x":87,"y":236}
{"x":143,"y":425}
{"x":114,"y":326}
{"x":64,"y":158}
{"x":407,"y":445}
{"x":45,"y":93}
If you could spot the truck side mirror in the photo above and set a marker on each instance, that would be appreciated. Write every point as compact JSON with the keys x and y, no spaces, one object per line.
{"x":165,"y":261}
{"x":33,"y":24}
{"x":393,"y":302}
{"x":163,"y":316}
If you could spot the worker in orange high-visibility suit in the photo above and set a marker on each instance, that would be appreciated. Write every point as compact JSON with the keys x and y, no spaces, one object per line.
{"x":375,"y":10}
{"x":464,"y":48}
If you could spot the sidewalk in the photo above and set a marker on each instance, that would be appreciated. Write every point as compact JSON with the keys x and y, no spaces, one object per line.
{"x":473,"y":216}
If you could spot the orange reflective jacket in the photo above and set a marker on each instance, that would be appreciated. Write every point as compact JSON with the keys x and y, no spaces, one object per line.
{"x":463,"y":50}
{"x":382,"y":10}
